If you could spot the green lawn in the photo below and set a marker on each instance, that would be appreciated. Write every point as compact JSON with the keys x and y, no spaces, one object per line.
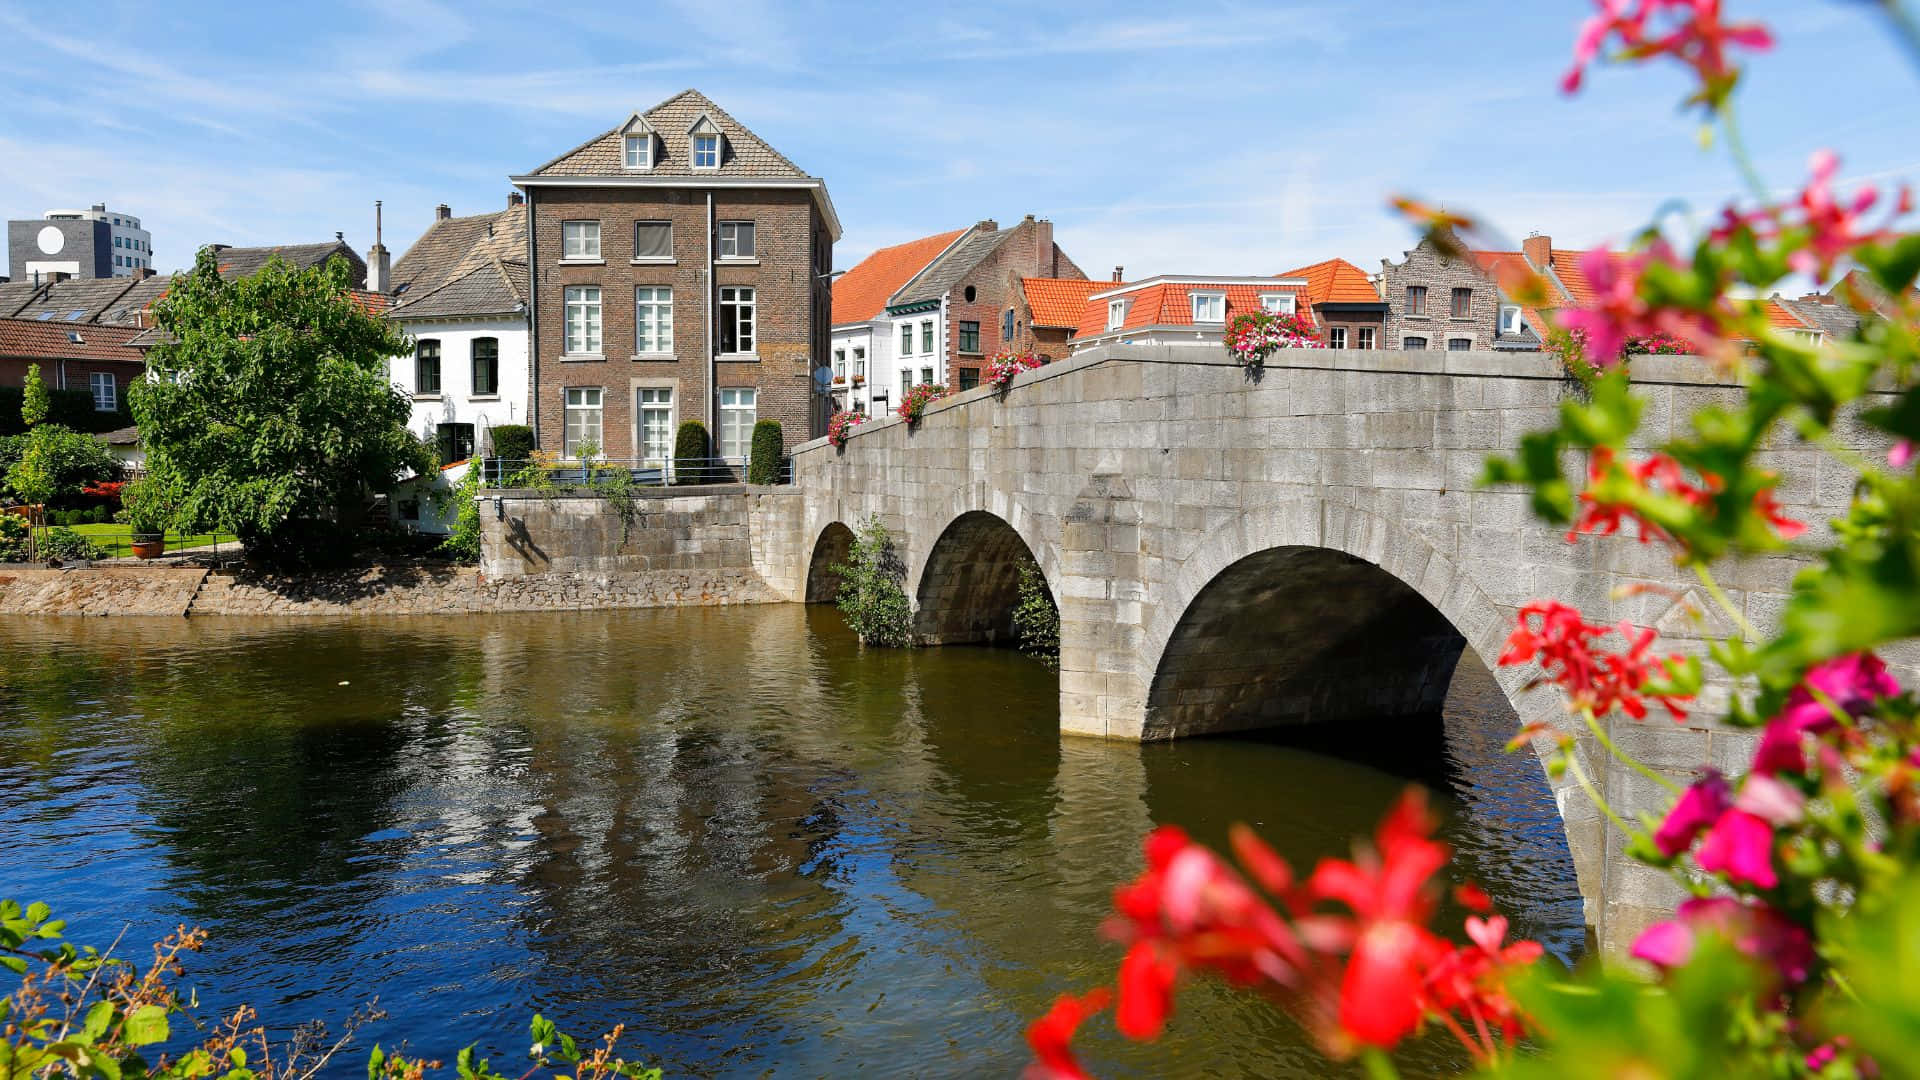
{"x":117,"y":540}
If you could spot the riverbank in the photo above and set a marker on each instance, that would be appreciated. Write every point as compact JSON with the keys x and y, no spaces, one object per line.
{"x":378,"y":590}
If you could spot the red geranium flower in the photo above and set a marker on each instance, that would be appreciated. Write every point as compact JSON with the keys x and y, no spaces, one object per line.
{"x":1051,"y":1036}
{"x":1693,"y":34}
{"x":1564,"y":644}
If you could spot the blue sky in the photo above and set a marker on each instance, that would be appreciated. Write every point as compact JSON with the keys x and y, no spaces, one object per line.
{"x":1201,"y":137}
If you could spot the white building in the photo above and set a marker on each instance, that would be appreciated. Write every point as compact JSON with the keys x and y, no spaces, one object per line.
{"x":1185,"y":310}
{"x":460,"y":292}
{"x":91,"y":243}
{"x":866,"y":348}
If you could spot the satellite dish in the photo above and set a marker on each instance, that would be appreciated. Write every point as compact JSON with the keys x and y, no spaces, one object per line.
{"x":822,"y":379}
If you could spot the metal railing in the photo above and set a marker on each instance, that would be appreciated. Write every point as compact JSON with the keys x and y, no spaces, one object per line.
{"x":602,"y":472}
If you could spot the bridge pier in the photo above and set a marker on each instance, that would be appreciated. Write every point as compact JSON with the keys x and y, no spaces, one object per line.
{"x":1101,"y":591}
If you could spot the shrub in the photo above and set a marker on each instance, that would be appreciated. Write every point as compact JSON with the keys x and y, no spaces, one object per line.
{"x":34,"y":401}
{"x":690,"y":455}
{"x":768,"y":446}
{"x":57,"y":462}
{"x":513,"y":442}
{"x":462,"y":545}
{"x":13,"y":537}
{"x":1036,"y":620}
{"x":873,"y":598}
{"x":62,"y":542}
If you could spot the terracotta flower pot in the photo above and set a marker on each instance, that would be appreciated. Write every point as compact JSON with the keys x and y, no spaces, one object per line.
{"x":149,"y":545}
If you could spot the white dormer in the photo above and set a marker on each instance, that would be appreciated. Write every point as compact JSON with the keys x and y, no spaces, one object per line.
{"x":1116,"y":314}
{"x":1277,"y":303}
{"x":637,"y":144}
{"x":708,"y":144}
{"x":1209,"y":307}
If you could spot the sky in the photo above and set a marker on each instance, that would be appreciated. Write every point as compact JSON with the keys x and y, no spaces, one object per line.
{"x":1203,"y":137}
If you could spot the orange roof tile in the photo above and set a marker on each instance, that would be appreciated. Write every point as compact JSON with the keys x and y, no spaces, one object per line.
{"x":34,"y":339}
{"x":861,"y":293}
{"x":1780,"y":318}
{"x":1566,"y":267}
{"x":1168,"y":304}
{"x":1335,"y":281}
{"x":373,"y":303}
{"x":1060,"y":301}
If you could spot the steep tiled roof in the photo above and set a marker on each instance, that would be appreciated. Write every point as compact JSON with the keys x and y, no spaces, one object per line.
{"x":33,"y":339}
{"x":1170,"y":304}
{"x":743,"y":154}
{"x":1335,"y":281}
{"x":939,"y":276}
{"x":372,"y":303}
{"x":88,"y":296}
{"x":247,"y":261}
{"x":491,"y":288}
{"x":134,"y":306}
{"x":1566,"y":267}
{"x":465,"y":266}
{"x":1834,"y":320}
{"x":1056,"y":302}
{"x":861,"y":293}
{"x":1781,"y":318}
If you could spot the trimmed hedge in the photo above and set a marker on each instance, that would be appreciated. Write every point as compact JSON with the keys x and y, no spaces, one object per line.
{"x":514,"y":442}
{"x":690,"y":454}
{"x":68,"y":408}
{"x":768,"y":442}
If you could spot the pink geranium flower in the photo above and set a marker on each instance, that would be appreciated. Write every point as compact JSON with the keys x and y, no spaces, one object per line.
{"x":1693,"y":813}
{"x":1755,"y":929}
{"x":1740,"y":845}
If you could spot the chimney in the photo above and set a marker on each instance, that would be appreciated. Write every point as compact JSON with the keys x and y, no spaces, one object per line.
{"x":442,"y":212}
{"x":1119,"y":275}
{"x":1819,"y":298}
{"x":987,"y":225}
{"x":514,"y":198}
{"x":379,"y":262}
{"x":1538,"y":250}
{"x":1042,"y":246}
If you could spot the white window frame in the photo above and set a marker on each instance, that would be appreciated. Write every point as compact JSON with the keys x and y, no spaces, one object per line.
{"x":1369,"y":334}
{"x":839,"y":363}
{"x":926,"y":376}
{"x":906,"y":382}
{"x":580,"y":241}
{"x":1211,"y":299}
{"x":590,"y":324}
{"x":1336,"y":337}
{"x":1512,"y":321}
{"x":733,"y":402}
{"x":658,"y":260}
{"x":906,"y":339}
{"x":1116,"y":314}
{"x":663,"y":400}
{"x":574,"y":401}
{"x":95,"y":383}
{"x":703,"y":136}
{"x":1278,"y":303}
{"x":926,"y":336}
{"x":728,"y":242}
{"x":641,"y":141}
{"x":658,"y":306}
{"x":859,"y":362}
{"x":744,"y":301}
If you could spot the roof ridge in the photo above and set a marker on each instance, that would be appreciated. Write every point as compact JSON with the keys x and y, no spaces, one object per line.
{"x":734,"y":120}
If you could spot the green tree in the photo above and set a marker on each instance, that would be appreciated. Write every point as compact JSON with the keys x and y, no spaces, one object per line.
{"x":690,"y":454}
{"x":36,"y":401}
{"x":768,"y":443}
{"x":873,"y":596}
{"x":56,"y":462}
{"x":1036,"y":620}
{"x":270,"y":403}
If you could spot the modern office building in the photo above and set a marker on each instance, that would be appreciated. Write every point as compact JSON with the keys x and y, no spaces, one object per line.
{"x":91,"y":243}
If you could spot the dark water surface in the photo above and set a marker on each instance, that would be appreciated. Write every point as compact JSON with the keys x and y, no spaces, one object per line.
{"x":766,"y":852}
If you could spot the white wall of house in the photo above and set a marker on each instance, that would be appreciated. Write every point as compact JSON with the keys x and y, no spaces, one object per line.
{"x":456,"y":403}
{"x":922,"y":363}
{"x":852,"y":357}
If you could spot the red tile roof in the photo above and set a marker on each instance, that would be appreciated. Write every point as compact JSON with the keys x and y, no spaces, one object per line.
{"x":373,"y":303}
{"x":1335,"y":281}
{"x":861,"y":293}
{"x":1566,"y":267}
{"x":1780,"y":318}
{"x":1169,"y":304}
{"x":32,"y":339}
{"x":1058,"y":302}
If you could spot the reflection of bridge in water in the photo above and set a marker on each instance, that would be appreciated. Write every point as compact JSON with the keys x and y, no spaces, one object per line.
{"x":1307,"y":547}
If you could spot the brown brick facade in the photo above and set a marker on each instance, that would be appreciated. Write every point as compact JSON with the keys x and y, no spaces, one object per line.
{"x":1425,"y":266}
{"x":994,"y":287}
{"x":792,"y":250}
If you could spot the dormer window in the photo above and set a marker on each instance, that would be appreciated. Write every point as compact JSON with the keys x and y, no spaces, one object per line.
{"x":637,"y":151}
{"x":1116,"y":314}
{"x":1209,"y":307}
{"x":1277,"y":303}
{"x":1511,"y":321}
{"x":706,"y":151}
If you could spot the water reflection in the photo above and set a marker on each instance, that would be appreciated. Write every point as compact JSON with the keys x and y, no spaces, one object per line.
{"x":759,"y":847}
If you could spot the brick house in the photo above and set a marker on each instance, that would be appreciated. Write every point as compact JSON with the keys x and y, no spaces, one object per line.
{"x":1050,"y":310}
{"x":1182,"y":310}
{"x":97,"y":359}
{"x":1345,"y":304}
{"x":679,"y":268}
{"x":981,"y":303}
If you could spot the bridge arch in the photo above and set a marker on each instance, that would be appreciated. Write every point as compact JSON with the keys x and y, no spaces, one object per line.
{"x":830,"y":551}
{"x":970,"y":581}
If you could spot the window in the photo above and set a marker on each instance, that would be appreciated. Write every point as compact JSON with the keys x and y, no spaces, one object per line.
{"x":1209,"y":307}
{"x":1116,"y":314}
{"x":580,"y":240}
{"x":652,"y":319}
{"x":1459,"y":344}
{"x":706,"y":151}
{"x":583,"y":420}
{"x":653,"y":241}
{"x":906,"y":340}
{"x":859,"y":363}
{"x":1277,"y":303}
{"x":638,"y":151}
{"x":486,"y":366}
{"x":118,"y":242}
{"x":970,"y":337}
{"x":970,"y":294}
{"x":106,"y":396}
{"x":655,"y":407}
{"x":1462,"y":303}
{"x":906,"y":381}
{"x":839,"y":363}
{"x":736,"y":422}
{"x":1417,"y":300}
{"x":736,"y":240}
{"x":969,"y":378}
{"x":583,"y":320}
{"x":926,"y":336}
{"x":454,"y":441}
{"x":1363,"y":337}
{"x":736,"y":320}
{"x":1336,"y":337}
{"x":1006,"y":328}
{"x":1511,"y":321}
{"x":426,"y":367}
{"x":926,"y":376}
{"x":1413,"y":343}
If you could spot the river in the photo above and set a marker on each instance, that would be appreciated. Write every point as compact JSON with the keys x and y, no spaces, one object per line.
{"x":764,"y":850}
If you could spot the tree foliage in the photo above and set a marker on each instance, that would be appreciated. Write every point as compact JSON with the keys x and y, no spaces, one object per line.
{"x":873,"y":596}
{"x":35,"y":401}
{"x":1036,"y":619}
{"x":56,"y":462}
{"x":270,"y":402}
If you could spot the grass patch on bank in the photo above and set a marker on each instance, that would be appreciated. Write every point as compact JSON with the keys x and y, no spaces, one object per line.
{"x":117,"y":540}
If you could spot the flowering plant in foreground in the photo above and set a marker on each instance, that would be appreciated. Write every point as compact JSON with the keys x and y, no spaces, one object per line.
{"x":917,"y":398}
{"x":1007,"y":363}
{"x":842,"y":425}
{"x":1793,"y":953}
{"x":1253,"y":336}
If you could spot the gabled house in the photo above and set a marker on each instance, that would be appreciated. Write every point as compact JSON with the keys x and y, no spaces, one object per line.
{"x":1182,"y":310}
{"x":101,"y":360}
{"x":1051,"y":310}
{"x":1435,"y":301}
{"x":460,"y":292}
{"x":861,"y":328}
{"x":1345,"y":304}
{"x":236,"y":262}
{"x":678,"y":268}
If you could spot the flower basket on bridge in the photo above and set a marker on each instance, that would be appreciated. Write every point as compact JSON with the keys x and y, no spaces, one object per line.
{"x":1252,"y":337}
{"x":1006,"y":364}
{"x":842,"y":425}
{"x":915,"y":401}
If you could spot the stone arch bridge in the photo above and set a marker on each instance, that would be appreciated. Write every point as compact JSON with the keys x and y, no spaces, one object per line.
{"x":1305,"y":547}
